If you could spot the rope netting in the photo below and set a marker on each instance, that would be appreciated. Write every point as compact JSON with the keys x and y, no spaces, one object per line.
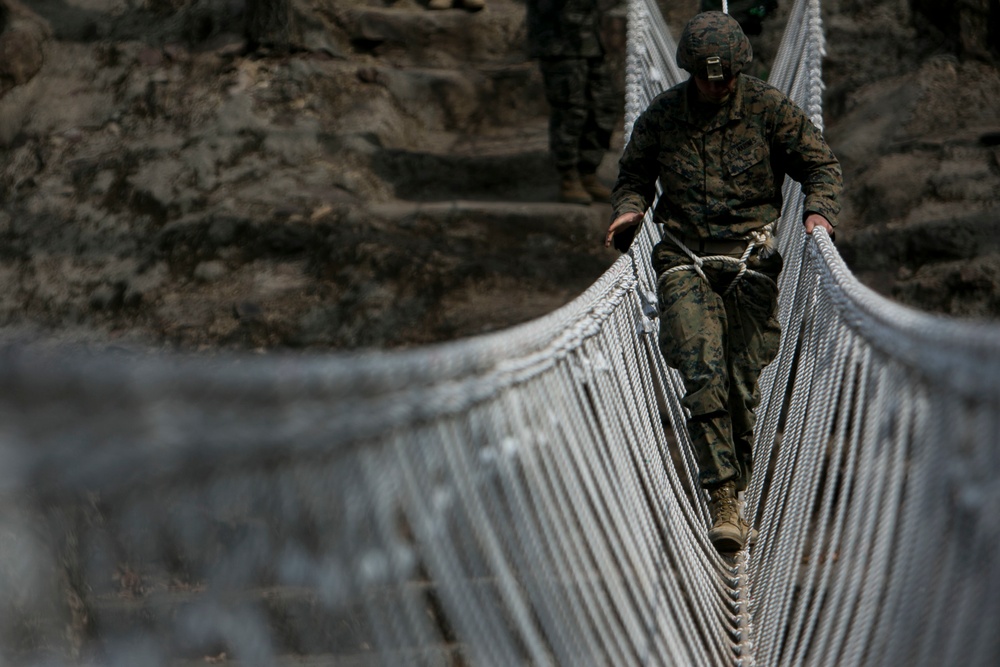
{"x":522,"y":498}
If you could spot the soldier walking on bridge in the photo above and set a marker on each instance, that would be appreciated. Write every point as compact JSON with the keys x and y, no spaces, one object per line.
{"x":720,"y":145}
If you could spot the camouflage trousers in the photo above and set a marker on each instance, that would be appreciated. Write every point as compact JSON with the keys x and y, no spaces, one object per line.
{"x":583,"y":110}
{"x":719,"y":343}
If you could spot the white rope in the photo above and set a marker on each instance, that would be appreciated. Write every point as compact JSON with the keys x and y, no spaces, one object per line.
{"x":754,"y":239}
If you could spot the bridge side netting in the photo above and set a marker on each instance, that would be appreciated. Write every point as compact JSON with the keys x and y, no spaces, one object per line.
{"x":526,"y":497}
{"x":879,"y":424}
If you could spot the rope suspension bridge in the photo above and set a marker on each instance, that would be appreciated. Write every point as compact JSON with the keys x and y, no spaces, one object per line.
{"x":521,"y":498}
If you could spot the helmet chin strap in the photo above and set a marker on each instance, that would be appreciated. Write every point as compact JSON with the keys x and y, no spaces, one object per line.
{"x":725,"y":6}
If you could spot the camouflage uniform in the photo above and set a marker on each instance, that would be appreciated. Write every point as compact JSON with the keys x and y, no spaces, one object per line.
{"x":564,"y":35}
{"x":721,"y":169}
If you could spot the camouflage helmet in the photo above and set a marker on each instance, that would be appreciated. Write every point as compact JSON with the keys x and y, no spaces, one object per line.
{"x":713,"y":46}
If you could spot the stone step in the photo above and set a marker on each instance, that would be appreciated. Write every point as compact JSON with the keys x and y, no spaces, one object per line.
{"x":499,"y":223}
{"x":454,"y":70}
{"x":410,"y":112}
{"x":407,"y":34}
{"x":502,"y":164}
{"x":466,"y":99}
{"x":512,"y":164}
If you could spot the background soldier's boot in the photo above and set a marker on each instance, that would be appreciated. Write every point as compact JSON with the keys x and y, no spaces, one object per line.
{"x":729,"y":532}
{"x":571,"y":190}
{"x":597,"y":190}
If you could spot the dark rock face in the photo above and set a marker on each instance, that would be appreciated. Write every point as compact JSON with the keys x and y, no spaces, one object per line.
{"x":385,"y":180}
{"x":921,"y":164}
{"x":971,"y":26}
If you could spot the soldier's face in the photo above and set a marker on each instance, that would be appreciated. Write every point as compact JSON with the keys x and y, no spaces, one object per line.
{"x":715,"y":92}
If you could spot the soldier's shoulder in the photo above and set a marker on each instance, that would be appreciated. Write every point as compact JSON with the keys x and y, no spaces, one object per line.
{"x":669,"y":99}
{"x":761,"y":89}
{"x":762,"y":97}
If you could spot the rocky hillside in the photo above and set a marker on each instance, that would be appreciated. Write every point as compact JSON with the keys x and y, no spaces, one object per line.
{"x":387,"y":183}
{"x":914,"y":108}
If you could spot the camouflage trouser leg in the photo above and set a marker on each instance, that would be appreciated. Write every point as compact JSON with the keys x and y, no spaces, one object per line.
{"x":720,"y":344}
{"x":583,"y":110}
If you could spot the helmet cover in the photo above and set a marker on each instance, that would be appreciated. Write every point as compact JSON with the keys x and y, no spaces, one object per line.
{"x":713,"y":46}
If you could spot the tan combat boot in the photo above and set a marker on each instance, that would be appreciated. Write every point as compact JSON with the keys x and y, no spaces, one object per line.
{"x":571,"y":190}
{"x":729,"y":532}
{"x":597,"y":190}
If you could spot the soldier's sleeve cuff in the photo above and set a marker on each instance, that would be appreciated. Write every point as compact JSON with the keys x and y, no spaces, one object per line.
{"x":627,"y":207}
{"x":827,"y":212}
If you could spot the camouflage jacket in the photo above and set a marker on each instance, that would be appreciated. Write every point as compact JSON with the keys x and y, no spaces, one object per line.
{"x":564,"y":28}
{"x":722,"y":168}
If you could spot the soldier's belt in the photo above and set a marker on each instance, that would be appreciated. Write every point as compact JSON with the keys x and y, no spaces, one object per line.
{"x":714,"y":247}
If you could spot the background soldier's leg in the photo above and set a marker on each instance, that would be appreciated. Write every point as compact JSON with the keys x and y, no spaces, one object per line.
{"x":693,"y":340}
{"x":565,"y":82}
{"x":603,"y":112}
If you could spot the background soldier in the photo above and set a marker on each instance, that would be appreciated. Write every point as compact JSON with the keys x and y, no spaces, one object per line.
{"x":749,"y":14}
{"x":720,"y":144}
{"x":564,"y":35}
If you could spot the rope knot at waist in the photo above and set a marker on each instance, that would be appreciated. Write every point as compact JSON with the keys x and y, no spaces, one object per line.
{"x":734,"y":251}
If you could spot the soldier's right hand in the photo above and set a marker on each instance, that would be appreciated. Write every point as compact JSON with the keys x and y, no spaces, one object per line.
{"x":620,"y":224}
